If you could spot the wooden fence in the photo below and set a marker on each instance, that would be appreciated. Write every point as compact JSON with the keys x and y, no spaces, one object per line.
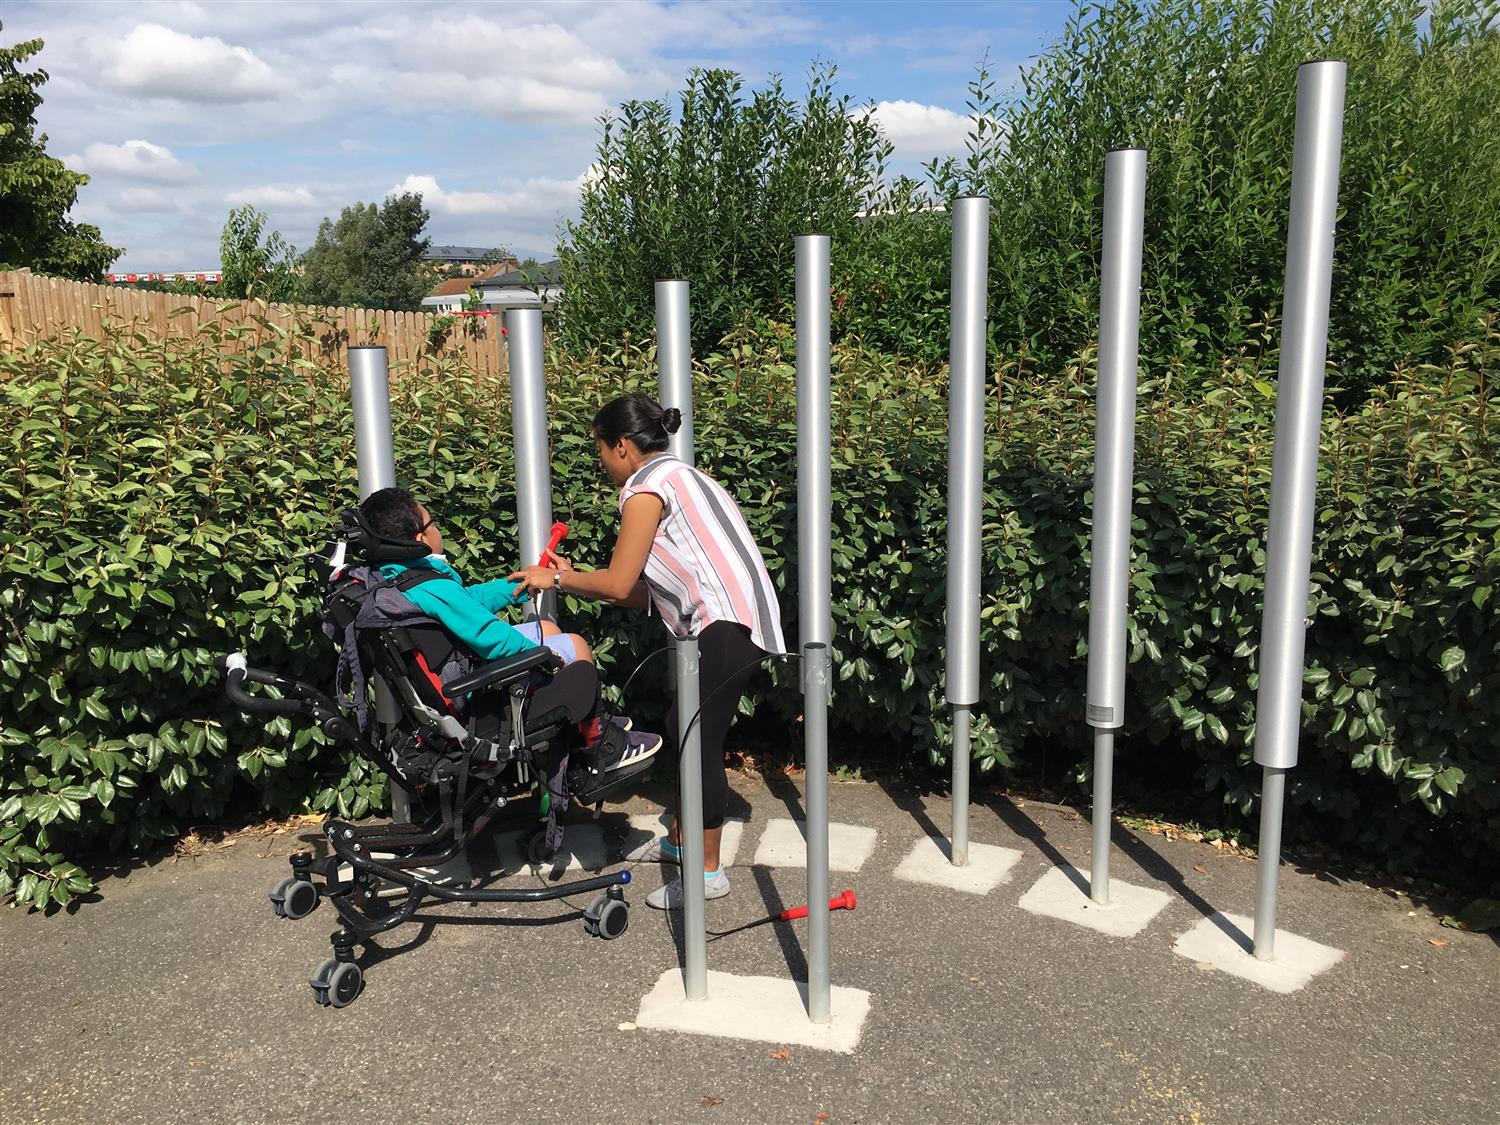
{"x":37,"y":308}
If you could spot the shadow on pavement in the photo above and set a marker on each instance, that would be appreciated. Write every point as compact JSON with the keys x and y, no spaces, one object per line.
{"x":785,"y":790}
{"x":1147,"y":859}
{"x":908,"y":798}
{"x":786,"y":936}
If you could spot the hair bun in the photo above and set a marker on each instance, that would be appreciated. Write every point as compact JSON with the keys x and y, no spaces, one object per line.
{"x":671,"y":419}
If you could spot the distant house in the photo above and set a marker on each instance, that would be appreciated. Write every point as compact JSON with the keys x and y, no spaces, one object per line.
{"x":448,"y":296}
{"x":529,"y":288}
{"x":469,"y":259}
{"x":533,"y":287}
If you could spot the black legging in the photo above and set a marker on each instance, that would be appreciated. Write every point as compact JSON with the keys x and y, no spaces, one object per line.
{"x":726,"y":661}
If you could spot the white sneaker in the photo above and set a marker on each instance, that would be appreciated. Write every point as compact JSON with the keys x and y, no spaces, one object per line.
{"x":669,"y":897}
{"x":654,"y":850}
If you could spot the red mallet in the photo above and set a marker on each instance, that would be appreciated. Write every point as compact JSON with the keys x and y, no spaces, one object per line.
{"x":559,"y":533}
{"x":845,"y":901}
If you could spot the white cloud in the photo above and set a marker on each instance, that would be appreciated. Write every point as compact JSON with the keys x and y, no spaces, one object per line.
{"x":634,"y":30}
{"x":280,"y":196}
{"x":549,"y":75}
{"x":543,"y":52}
{"x":541,"y":197}
{"x":531,"y":99}
{"x":133,"y":160}
{"x":930,"y":129}
{"x":492,"y":106}
{"x":138,"y":201}
{"x":157,"y":62}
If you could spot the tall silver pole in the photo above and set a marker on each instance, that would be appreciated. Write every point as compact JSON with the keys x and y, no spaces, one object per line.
{"x":1294,"y":464}
{"x":1114,"y":464}
{"x":690,"y":816}
{"x":816,"y":676}
{"x":370,"y":396}
{"x":814,"y":592}
{"x":528,"y":420}
{"x":967,"y":352}
{"x":814,"y":508}
{"x":674,"y":360}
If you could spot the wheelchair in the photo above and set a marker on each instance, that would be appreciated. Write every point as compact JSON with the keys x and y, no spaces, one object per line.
{"x":494,"y":743}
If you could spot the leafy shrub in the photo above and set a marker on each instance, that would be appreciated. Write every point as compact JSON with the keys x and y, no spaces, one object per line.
{"x":714,"y":195}
{"x":163,"y":495}
{"x":1208,"y":88}
{"x":715,"y":192}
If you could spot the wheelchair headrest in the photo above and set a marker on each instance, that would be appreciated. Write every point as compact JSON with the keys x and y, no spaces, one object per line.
{"x":368,"y":546}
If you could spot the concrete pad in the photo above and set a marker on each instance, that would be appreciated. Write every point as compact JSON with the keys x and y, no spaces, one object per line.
{"x":929,"y":861}
{"x":644,"y":826}
{"x":766,"y":1009}
{"x":1225,"y":941}
{"x":583,"y":849}
{"x":783,"y":844}
{"x":1062,"y":893}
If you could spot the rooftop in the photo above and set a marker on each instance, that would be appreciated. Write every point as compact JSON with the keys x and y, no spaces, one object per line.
{"x":465,"y":253}
{"x":546,"y":273}
{"x":453,"y":287}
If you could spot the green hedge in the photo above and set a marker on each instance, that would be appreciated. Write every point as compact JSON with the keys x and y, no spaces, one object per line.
{"x":160,"y":497}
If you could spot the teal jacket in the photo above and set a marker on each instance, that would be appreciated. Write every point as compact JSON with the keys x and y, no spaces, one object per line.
{"x":468,"y":612}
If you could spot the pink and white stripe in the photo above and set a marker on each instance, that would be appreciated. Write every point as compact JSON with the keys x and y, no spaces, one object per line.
{"x":704,"y":565}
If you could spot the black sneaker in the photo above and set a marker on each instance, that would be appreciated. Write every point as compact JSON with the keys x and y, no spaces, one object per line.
{"x":638,"y":746}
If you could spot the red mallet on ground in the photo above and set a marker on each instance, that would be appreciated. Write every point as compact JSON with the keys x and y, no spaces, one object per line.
{"x":845,"y":901}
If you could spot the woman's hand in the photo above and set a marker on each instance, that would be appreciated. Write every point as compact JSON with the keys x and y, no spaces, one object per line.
{"x":537,"y":579}
{"x":560,"y":562}
{"x":617,"y":582}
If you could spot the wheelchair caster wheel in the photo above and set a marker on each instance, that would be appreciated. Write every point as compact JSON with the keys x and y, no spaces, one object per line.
{"x":537,"y":851}
{"x":337,"y":983}
{"x":278,"y":896}
{"x":295,"y":898}
{"x":607,"y":917}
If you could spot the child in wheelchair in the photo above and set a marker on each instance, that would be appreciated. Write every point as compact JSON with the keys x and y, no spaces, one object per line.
{"x":468,"y":612}
{"x":479,"y":721}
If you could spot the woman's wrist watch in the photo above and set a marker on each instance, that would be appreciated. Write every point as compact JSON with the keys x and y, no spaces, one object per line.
{"x":557,"y":579}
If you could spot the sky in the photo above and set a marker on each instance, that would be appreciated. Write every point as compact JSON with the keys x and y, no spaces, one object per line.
{"x":180,"y":111}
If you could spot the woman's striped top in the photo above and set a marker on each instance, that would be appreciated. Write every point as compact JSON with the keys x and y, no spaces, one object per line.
{"x":704,"y":566}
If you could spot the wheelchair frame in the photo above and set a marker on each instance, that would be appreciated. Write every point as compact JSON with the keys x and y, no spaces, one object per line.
{"x":388,"y":853}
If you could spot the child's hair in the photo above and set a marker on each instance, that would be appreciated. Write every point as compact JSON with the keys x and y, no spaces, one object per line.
{"x":393,"y":513}
{"x":638,"y":418}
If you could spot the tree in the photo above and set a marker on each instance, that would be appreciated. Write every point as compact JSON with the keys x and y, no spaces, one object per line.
{"x":371,"y":257}
{"x":714,"y":194}
{"x":36,"y":190}
{"x":252,"y":268}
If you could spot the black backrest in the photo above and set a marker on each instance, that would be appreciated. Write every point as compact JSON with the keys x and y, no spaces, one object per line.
{"x":409,"y":656}
{"x":393,"y":653}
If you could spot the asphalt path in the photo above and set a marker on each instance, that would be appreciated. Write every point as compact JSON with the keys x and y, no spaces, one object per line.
{"x":179,"y":996}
